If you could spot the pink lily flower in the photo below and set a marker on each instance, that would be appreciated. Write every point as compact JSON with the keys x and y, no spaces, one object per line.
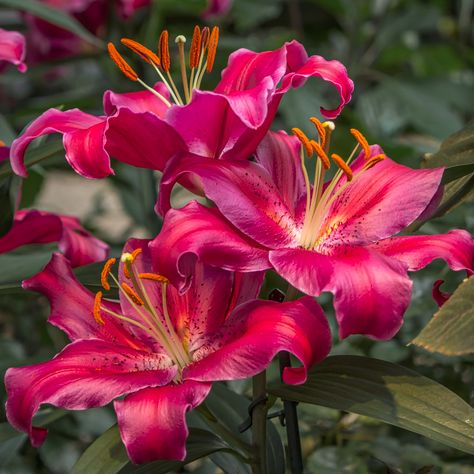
{"x":39,"y":227}
{"x":216,"y":8}
{"x":12,"y":48}
{"x":146,"y":129}
{"x":158,"y":348}
{"x":335,"y":236}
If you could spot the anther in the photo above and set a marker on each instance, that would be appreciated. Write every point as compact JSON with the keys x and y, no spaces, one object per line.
{"x":97,"y":302}
{"x":205,"y":37}
{"x":195,"y":51}
{"x":321,"y":154}
{"x":104,"y":276}
{"x":135,"y":254}
{"x":121,"y":63}
{"x":132,"y":294}
{"x":153,"y":277}
{"x":2,"y":143}
{"x":212,"y":48}
{"x":342,"y":165}
{"x":362,"y":142}
{"x":304,"y":140}
{"x":164,"y":51}
{"x":321,"y":130}
{"x":374,"y":160}
{"x":142,"y":51}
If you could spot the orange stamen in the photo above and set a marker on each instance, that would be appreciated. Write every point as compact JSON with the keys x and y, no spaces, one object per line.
{"x":321,"y":130}
{"x":321,"y":154}
{"x":121,"y":63}
{"x":342,"y":165}
{"x":374,"y":160}
{"x":104,"y":276}
{"x":164,"y":51}
{"x":304,"y":140}
{"x":211,"y":51}
{"x":205,"y":37}
{"x":132,"y":294}
{"x":154,"y":277}
{"x":195,"y":51}
{"x":125,"y":271}
{"x":142,"y":51}
{"x":2,"y":143}
{"x":135,"y":254}
{"x":362,"y":142}
{"x":97,"y":302}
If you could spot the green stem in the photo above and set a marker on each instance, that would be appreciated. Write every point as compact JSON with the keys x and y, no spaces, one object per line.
{"x":259,"y":425}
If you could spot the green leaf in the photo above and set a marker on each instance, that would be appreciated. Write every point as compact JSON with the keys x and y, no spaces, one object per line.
{"x":54,"y":16}
{"x":390,"y":393}
{"x":456,"y":150}
{"x":107,"y":454}
{"x":455,"y":193}
{"x":8,"y":198}
{"x":451,"y":331}
{"x":18,"y":267}
{"x":231,"y":409}
{"x":10,"y":443}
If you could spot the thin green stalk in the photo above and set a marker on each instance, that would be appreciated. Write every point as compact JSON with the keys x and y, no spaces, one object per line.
{"x":259,"y":424}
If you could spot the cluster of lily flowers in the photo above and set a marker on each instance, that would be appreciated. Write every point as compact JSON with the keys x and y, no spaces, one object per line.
{"x":189,"y":312}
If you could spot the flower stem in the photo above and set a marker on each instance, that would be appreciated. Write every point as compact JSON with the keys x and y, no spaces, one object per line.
{"x":291,"y":415}
{"x":259,"y":424}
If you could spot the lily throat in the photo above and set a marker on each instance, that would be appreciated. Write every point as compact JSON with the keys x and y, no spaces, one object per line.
{"x":320,"y":196}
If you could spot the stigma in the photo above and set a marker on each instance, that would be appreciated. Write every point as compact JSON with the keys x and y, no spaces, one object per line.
{"x":320,"y":195}
{"x":191,"y":67}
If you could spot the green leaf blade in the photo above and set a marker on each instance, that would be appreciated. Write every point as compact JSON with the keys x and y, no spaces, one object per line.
{"x":451,"y":331}
{"x":389,"y":393}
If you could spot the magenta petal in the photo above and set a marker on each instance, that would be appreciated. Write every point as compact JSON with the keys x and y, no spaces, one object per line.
{"x":13,"y":48}
{"x":82,"y":138}
{"x":416,"y":251}
{"x":255,"y":332}
{"x":72,"y":305}
{"x":78,"y":245}
{"x":244,"y":193}
{"x":212,"y":123}
{"x":152,"y":421}
{"x":37,"y":227}
{"x":379,"y":202}
{"x":316,"y":66}
{"x":141,"y":139}
{"x":199,"y":233}
{"x":371,"y":292}
{"x":137,"y":102}
{"x":279,"y":154}
{"x":439,"y":296}
{"x":86,"y":374}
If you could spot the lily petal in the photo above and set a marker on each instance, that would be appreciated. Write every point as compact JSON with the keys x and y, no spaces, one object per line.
{"x":244,"y":193}
{"x":152,"y":422}
{"x":255,"y":332}
{"x":371,"y":292}
{"x":37,"y":227}
{"x":82,"y":139}
{"x":416,"y":251}
{"x":13,"y":48}
{"x":279,"y":154}
{"x":198,"y":233}
{"x":378,"y":202}
{"x":72,"y":306}
{"x":85,"y":374}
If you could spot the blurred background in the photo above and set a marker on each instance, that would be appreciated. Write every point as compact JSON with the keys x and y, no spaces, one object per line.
{"x":412,"y":64}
